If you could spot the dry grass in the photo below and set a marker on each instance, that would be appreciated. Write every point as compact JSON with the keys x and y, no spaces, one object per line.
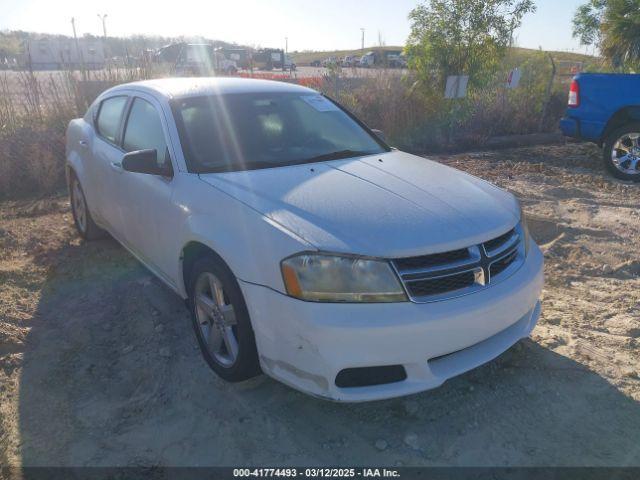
{"x":35,"y":108}
{"x":416,"y":118}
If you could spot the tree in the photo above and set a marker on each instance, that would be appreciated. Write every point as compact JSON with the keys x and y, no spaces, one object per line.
{"x":587,"y":21}
{"x":621,"y":33}
{"x":614,"y":27}
{"x":456,"y":37}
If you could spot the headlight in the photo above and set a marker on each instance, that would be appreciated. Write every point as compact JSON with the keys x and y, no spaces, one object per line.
{"x":334,"y":278}
{"x":525,"y":230}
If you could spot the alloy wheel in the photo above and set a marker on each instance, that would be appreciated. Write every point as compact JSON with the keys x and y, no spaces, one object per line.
{"x":79,"y":206}
{"x":216,"y":319}
{"x":625,"y":154}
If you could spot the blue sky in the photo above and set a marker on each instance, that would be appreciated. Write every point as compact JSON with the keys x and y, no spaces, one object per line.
{"x":309,"y":24}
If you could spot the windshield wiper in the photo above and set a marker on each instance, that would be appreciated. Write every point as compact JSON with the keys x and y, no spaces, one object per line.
{"x":257,"y":165}
{"x":240,"y":166}
{"x":336,"y":155}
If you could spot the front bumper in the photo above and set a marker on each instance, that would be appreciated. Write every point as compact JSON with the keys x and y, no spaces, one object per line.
{"x":305,"y":345}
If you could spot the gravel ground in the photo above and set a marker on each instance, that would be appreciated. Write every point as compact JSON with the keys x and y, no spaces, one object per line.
{"x":99,"y":365}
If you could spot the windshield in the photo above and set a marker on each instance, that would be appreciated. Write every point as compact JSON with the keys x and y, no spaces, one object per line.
{"x":263,"y":130}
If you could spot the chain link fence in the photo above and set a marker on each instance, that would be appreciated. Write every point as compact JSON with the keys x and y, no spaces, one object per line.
{"x":36,"y":107}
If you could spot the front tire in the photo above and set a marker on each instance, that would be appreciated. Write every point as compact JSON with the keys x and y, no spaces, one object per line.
{"x":221,"y":320}
{"x":82,"y":218}
{"x":621,"y":152}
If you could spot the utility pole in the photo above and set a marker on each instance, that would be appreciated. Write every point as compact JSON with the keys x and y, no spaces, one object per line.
{"x":286,"y":44}
{"x":103,"y":18}
{"x":75,"y":37}
{"x":362,"y":30}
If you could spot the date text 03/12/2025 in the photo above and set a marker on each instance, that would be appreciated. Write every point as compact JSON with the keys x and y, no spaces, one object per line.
{"x":316,"y":472}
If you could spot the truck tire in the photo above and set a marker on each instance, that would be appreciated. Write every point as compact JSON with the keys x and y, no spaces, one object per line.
{"x":621,"y":152}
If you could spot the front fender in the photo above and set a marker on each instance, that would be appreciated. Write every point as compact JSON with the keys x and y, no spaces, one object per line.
{"x":251,"y":245}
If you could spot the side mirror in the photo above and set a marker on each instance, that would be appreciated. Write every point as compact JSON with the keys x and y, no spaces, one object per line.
{"x":379,"y":134}
{"x":145,"y":161}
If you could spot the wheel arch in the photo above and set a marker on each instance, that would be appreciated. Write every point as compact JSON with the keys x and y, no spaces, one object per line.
{"x":190,"y":252}
{"x":69,"y":172}
{"x":249,"y":244}
{"x":73,"y":166}
{"x":628,"y":114}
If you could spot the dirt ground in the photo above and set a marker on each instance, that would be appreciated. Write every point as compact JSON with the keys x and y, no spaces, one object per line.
{"x":99,"y":364}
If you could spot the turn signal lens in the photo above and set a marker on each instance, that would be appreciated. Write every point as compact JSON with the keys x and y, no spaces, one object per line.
{"x":291,"y":281}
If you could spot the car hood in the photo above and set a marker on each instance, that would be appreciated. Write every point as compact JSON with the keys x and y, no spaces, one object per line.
{"x":389,"y":205}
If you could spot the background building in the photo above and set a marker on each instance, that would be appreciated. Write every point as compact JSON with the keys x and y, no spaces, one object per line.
{"x":59,"y":53}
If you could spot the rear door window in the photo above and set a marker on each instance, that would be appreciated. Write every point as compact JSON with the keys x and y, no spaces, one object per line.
{"x":109,"y":117}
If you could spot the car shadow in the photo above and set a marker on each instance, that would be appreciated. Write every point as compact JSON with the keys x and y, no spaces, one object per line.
{"x":112,"y":376}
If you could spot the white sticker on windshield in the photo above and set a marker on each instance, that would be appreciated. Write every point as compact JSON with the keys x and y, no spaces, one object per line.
{"x":320,"y":103}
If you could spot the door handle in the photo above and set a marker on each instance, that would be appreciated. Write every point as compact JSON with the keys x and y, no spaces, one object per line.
{"x":82,"y":143}
{"x":117,"y":166}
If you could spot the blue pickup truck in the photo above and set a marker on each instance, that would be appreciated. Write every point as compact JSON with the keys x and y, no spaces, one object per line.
{"x":605,"y":109}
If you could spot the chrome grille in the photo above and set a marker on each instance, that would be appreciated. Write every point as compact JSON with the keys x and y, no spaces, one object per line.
{"x":434,"y":260}
{"x":444,"y":275}
{"x":497,"y":242}
{"x":436,"y":286}
{"x":501,"y":265}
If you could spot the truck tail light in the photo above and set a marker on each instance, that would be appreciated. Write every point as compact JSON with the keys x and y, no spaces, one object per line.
{"x":574,"y":94}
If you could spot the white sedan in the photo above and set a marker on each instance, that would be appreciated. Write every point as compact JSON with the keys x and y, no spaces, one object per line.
{"x":305,"y":246}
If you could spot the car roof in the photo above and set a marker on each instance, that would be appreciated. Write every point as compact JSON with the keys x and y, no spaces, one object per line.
{"x":198,"y":86}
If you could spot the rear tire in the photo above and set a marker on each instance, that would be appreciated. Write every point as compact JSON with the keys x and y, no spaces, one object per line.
{"x":82,"y":218}
{"x":221,"y":320}
{"x":621,"y":152}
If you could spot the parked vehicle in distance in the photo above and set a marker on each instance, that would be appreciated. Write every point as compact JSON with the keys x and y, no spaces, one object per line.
{"x":383,"y":58}
{"x":330,"y":62}
{"x":289,"y":63}
{"x":195,"y":59}
{"x":350,"y":61}
{"x":283,"y":61}
{"x":268,"y":59}
{"x":605,"y":109}
{"x":368,"y":60}
{"x":396,"y":61}
{"x":241,"y":56}
{"x":305,"y":246}
{"x":315,"y":63}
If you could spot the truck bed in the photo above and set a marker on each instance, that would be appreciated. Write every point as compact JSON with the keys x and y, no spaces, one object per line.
{"x":603,"y":98}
